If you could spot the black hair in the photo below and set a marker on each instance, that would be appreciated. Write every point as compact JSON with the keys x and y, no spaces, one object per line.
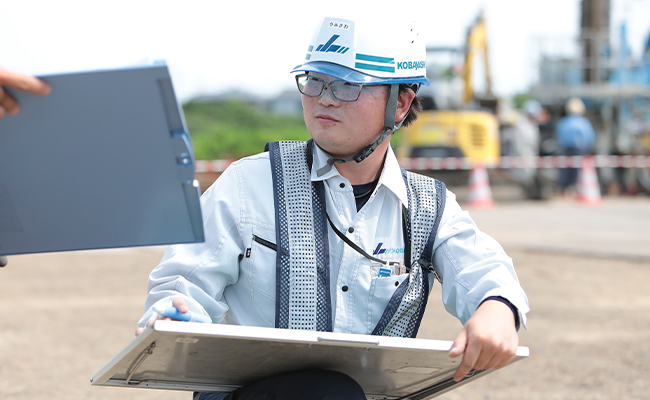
{"x":416,"y":104}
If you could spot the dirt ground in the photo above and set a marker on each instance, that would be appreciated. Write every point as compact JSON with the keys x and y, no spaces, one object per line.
{"x":585,"y":270}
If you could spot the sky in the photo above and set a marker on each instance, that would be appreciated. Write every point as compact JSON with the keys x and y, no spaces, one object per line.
{"x":215,"y":46}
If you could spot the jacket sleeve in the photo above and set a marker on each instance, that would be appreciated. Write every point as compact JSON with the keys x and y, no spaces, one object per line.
{"x":472,"y":266}
{"x":199,"y":272}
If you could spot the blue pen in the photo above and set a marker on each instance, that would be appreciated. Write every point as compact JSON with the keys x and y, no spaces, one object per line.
{"x":173,"y":313}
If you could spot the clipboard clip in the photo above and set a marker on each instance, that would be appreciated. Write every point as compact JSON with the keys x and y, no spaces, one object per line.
{"x":145,"y":353}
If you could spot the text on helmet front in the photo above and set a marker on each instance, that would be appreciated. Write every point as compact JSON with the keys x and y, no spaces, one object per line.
{"x":339,"y":25}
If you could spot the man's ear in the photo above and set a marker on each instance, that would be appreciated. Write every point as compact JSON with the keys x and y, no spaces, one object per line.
{"x":404,"y":100}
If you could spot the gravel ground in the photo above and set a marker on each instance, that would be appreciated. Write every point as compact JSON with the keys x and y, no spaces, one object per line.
{"x":585,"y":270}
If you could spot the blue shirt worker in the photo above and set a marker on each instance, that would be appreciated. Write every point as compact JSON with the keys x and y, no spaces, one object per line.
{"x":332,"y":235}
{"x":575,"y":137}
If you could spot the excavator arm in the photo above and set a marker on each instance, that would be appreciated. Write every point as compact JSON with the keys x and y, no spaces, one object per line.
{"x":476,"y":44}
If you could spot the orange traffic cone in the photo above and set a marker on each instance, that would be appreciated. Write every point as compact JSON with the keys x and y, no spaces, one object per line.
{"x":480,"y":194}
{"x":588,"y":190}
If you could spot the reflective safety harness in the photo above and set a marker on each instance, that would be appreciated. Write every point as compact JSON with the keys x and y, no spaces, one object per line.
{"x":302,"y":270}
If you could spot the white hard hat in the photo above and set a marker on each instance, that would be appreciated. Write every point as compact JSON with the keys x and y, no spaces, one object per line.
{"x":575,"y":106}
{"x":367,"y":52}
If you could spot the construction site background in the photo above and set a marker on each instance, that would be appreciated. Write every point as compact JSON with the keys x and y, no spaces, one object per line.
{"x":463,"y":118}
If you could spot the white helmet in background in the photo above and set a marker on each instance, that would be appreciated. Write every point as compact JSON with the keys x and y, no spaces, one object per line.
{"x":575,"y":106}
{"x":368,"y":52}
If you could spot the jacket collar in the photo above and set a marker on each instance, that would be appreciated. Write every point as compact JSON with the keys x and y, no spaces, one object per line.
{"x":391,"y":174}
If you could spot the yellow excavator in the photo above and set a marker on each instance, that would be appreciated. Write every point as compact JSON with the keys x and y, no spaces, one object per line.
{"x":471,"y":128}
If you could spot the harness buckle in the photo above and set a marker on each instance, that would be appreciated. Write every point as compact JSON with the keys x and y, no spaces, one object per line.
{"x":426,"y":264}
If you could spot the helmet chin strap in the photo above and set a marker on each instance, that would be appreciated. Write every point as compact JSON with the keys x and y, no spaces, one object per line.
{"x":390,"y":126}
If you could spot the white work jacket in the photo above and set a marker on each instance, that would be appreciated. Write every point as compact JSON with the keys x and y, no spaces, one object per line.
{"x":231,"y":277}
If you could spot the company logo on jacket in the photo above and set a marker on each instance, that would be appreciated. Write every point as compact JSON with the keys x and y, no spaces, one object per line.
{"x":380,"y":250}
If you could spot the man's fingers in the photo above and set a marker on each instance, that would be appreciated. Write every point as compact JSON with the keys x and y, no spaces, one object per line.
{"x":494,"y":354}
{"x":485,"y":360}
{"x":469,"y":352}
{"x":467,"y":364}
{"x":458,"y":347}
{"x":488,"y":340}
{"x":23,"y":82}
{"x":138,"y":331}
{"x":503,"y":362}
{"x":7,"y":103}
{"x":180,"y":305}
{"x":481,"y":354}
{"x":501,"y":358}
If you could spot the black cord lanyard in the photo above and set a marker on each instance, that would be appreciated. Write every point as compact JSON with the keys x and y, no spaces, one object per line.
{"x":320,"y":189}
{"x":361,"y":251}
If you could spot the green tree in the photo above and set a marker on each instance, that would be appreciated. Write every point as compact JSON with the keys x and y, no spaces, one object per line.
{"x":232,"y":130}
{"x":519,"y":99}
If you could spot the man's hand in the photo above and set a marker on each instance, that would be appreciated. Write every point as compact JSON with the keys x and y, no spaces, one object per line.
{"x":488,"y":340}
{"x":180,"y":305}
{"x":18,"y":81}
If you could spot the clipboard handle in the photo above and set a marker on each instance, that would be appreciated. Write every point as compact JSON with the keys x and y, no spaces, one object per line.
{"x":181,"y":145}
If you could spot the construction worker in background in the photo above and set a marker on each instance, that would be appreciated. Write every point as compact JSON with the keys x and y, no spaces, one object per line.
{"x":526,"y":143}
{"x":336,"y":226}
{"x":8,"y":104}
{"x":508,"y":117}
{"x":575,"y":137}
{"x":529,"y":137}
{"x":520,"y":137}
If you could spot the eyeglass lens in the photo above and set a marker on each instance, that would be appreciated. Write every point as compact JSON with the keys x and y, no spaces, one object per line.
{"x":342,"y":90}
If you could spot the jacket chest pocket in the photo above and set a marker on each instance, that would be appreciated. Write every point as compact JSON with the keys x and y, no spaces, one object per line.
{"x":381,"y":291}
{"x":261,"y":273}
{"x":265,"y":243}
{"x":261,"y":264}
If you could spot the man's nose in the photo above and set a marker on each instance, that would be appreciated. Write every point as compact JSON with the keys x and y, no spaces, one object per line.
{"x":327,"y":96}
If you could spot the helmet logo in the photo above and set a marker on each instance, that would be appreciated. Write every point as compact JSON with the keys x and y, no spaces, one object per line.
{"x":411,"y":65}
{"x":330,"y":47}
{"x":374,"y":63}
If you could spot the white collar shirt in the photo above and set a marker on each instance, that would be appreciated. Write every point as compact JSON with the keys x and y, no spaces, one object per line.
{"x":231,"y":277}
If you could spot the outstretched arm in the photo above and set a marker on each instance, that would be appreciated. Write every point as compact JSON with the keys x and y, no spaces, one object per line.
{"x":480,"y":288}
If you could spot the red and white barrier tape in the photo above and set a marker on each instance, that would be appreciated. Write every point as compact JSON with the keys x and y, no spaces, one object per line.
{"x":212,"y":165}
{"x":460,"y":163}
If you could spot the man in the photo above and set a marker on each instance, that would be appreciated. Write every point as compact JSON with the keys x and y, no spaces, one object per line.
{"x":335,"y":228}
{"x":575,"y":137}
{"x":526,"y":144}
{"x":8,"y":104}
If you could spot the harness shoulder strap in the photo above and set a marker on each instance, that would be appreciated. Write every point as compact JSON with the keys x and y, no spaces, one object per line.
{"x":403,"y":315}
{"x":302,"y":265}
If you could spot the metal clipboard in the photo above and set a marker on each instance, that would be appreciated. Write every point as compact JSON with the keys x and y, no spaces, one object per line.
{"x":220,"y":358}
{"x":103,"y":161}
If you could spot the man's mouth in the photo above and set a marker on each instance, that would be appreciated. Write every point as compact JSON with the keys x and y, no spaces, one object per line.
{"x":326,"y":119}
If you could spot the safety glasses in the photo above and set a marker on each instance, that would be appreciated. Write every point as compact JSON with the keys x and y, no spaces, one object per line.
{"x":312,"y":86}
